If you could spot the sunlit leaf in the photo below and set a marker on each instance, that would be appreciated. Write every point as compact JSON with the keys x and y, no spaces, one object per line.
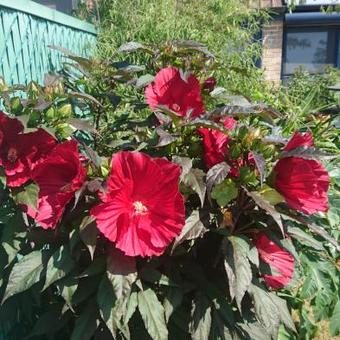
{"x":152,"y":313}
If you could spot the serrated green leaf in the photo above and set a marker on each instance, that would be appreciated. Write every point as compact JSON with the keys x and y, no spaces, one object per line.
{"x":59,"y":264}
{"x":152,"y":275}
{"x":131,"y":307}
{"x":200,"y":317}
{"x":25,"y":273}
{"x":96,"y":267}
{"x":88,"y":233}
{"x":67,"y":288}
{"x":121,"y":271}
{"x":224,"y":192}
{"x":172,"y":300}
{"x":152,"y":313}
{"x":51,"y":321}
{"x":305,"y":238}
{"x":219,"y":330}
{"x":111,"y":309}
{"x":334,"y":324}
{"x":270,"y":310}
{"x":86,"y":324}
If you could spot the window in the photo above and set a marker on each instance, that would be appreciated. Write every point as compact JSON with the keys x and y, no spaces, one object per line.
{"x":313,"y":2}
{"x":311,"y":48}
{"x":65,"y":6}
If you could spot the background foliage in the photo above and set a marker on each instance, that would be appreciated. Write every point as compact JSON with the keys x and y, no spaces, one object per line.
{"x":66,"y":282}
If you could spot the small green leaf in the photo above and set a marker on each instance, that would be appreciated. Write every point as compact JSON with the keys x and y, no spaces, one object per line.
{"x":16,"y":106}
{"x":152,"y":313}
{"x":28,"y":196}
{"x":65,"y":111}
{"x":271,"y":195}
{"x":224,"y":192}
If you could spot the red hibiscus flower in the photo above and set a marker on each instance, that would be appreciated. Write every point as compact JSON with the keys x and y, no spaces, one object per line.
{"x":9,"y":128}
{"x":302,"y":182}
{"x":209,"y":84}
{"x":216,"y":143}
{"x":278,"y":259}
{"x":169,"y":89}
{"x":22,"y":152}
{"x":143,"y":209}
{"x":59,"y":176}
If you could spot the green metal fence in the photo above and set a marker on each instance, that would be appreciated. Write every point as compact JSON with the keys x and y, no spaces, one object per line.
{"x":26,"y":30}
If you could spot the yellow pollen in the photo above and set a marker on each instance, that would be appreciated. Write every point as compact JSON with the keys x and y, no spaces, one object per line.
{"x":140,"y":208}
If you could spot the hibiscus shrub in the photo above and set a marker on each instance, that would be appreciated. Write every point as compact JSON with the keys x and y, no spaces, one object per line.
{"x":160,"y":206}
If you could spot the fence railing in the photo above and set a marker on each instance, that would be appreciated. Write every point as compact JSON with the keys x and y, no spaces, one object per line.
{"x":26,"y":30}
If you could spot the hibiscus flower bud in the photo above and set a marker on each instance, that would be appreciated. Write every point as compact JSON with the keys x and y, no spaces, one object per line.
{"x":178,"y":94}
{"x":209,"y":84}
{"x":302,"y":182}
{"x":142,"y":210}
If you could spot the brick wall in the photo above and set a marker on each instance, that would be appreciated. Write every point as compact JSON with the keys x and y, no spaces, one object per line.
{"x":266,"y":3}
{"x":272,"y":35}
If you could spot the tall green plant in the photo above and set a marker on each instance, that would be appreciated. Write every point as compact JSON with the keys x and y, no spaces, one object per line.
{"x":228,"y":27}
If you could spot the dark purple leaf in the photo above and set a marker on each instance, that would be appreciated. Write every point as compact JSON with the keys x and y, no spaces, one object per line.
{"x":260,"y":163}
{"x":165,"y":138}
{"x":193,"y":229}
{"x":307,"y":152}
{"x":216,"y":175}
{"x":81,"y":124}
{"x":268,"y":208}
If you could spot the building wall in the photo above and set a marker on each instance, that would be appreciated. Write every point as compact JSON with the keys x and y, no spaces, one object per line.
{"x":272,"y":35}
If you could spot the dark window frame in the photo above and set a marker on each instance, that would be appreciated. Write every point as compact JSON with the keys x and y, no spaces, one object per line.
{"x":333,"y":33}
